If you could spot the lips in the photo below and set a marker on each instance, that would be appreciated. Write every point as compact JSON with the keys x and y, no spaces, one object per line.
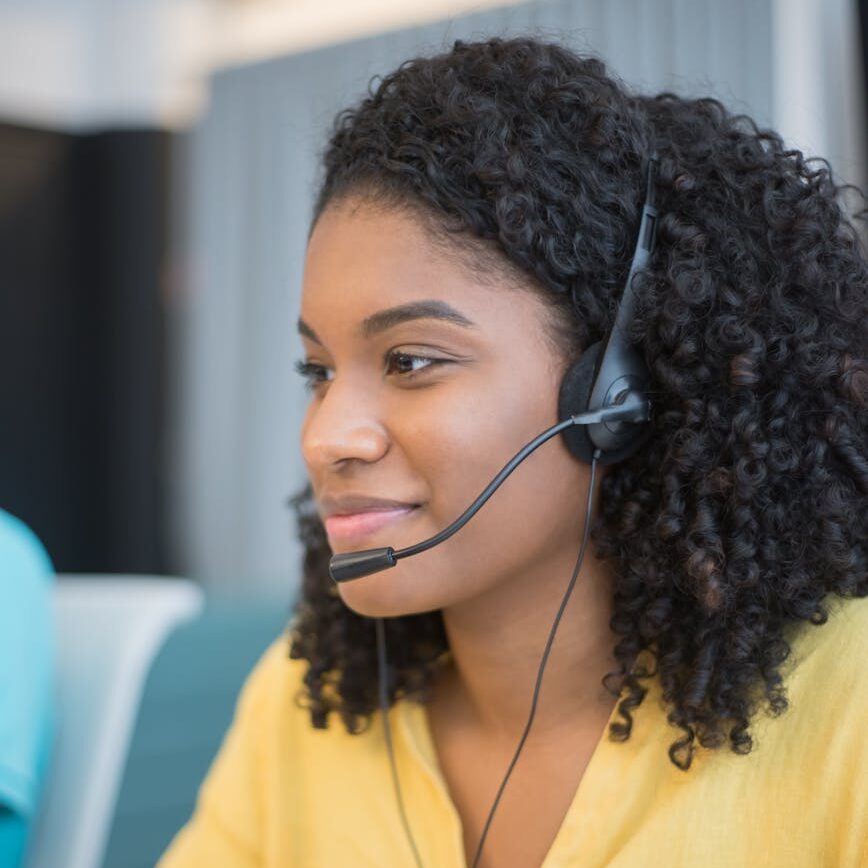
{"x":351,"y":518}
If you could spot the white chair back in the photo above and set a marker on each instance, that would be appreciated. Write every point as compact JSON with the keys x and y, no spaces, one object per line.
{"x":109,"y":630}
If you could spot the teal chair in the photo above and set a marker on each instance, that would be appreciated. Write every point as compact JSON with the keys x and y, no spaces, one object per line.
{"x":186,"y":707}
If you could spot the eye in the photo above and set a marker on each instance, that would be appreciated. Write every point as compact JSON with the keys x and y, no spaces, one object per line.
{"x":407,"y":364}
{"x":313,"y":374}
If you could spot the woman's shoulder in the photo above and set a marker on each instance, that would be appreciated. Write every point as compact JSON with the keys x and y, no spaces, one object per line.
{"x":273,"y":707}
{"x":275,"y":682}
{"x":843,"y":635}
{"x":825,"y":666}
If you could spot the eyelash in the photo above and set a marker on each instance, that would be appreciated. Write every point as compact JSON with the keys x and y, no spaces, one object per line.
{"x":314,"y":374}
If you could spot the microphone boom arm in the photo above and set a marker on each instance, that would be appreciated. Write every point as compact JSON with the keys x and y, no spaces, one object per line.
{"x":354,"y":565}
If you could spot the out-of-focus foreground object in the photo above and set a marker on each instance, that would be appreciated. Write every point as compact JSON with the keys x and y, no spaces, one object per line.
{"x":26,"y":658}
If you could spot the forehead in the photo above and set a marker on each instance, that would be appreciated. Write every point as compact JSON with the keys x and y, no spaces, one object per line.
{"x":363,"y":258}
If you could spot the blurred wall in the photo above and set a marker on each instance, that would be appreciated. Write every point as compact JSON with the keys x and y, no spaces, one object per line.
{"x":80,"y":65}
{"x":91,"y":64}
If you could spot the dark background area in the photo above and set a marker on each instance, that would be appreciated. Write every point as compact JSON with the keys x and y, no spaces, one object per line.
{"x":83,"y":240}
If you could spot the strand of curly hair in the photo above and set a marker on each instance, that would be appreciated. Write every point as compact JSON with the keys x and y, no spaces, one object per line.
{"x":748,"y":506}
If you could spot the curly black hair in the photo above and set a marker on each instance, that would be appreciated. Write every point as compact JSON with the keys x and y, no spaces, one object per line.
{"x":748,"y":505}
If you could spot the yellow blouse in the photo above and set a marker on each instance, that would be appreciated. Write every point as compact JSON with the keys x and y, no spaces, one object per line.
{"x":284,"y":795}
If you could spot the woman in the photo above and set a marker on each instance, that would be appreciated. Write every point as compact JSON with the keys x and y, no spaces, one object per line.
{"x":703,"y":700}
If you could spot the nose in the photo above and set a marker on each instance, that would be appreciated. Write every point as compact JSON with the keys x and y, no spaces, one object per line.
{"x":342,"y":426}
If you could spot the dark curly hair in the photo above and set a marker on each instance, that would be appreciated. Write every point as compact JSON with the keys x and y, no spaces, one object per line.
{"x":748,"y":505}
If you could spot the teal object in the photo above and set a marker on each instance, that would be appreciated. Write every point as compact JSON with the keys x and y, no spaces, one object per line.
{"x":26,"y":681}
{"x":187,"y":704}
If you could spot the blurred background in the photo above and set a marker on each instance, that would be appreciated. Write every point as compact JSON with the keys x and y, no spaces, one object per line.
{"x":158,"y":160}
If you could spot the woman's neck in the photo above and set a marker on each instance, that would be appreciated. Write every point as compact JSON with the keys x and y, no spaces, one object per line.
{"x":497,"y":642}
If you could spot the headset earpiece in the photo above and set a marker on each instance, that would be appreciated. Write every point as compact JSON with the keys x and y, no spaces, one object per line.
{"x":573,"y":398}
{"x":623,"y":438}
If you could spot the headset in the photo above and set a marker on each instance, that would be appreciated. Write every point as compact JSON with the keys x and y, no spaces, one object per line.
{"x":604,"y":412}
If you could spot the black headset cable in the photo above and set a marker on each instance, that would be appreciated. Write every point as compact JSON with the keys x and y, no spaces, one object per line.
{"x":384,"y":697}
{"x":543,"y":661}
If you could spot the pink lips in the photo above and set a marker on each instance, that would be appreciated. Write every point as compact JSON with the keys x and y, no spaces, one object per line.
{"x":355,"y":526}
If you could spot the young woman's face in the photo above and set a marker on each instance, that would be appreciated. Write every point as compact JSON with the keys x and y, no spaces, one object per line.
{"x":425,"y":381}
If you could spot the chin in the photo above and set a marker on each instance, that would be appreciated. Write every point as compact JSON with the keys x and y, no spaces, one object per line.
{"x":388,"y":594}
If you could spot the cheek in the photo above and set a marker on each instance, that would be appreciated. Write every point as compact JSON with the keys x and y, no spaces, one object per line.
{"x":303,"y":432}
{"x":461,"y":441}
{"x":461,"y":450}
{"x":537,"y":508}
{"x":454,"y":441}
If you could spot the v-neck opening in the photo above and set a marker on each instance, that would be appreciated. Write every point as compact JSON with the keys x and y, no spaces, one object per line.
{"x":420,"y":738}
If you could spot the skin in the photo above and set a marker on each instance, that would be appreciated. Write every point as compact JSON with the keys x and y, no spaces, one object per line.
{"x":437,"y":438}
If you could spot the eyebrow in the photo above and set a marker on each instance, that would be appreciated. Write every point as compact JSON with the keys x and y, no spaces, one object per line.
{"x":388,"y":318}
